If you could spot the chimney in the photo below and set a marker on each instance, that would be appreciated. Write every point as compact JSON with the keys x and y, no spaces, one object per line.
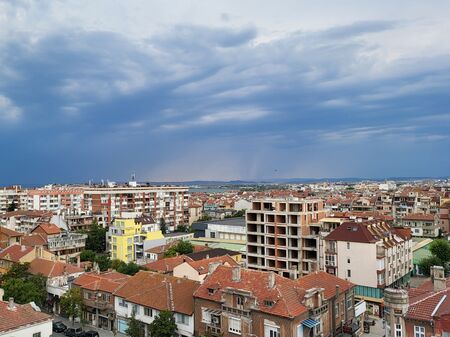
{"x":23,"y":248}
{"x":236,"y":274}
{"x":438,"y":278}
{"x":337,"y":290}
{"x":212,"y":267}
{"x":11,"y":304}
{"x":207,"y":256}
{"x":2,"y":292}
{"x":271,"y":282}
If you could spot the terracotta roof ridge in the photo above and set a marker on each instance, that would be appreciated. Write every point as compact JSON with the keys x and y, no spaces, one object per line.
{"x":429,"y":296}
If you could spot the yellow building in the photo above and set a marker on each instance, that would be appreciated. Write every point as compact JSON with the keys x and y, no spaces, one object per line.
{"x":127,"y":239}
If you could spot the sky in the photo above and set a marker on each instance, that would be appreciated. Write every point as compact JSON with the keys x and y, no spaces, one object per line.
{"x":222,"y":90}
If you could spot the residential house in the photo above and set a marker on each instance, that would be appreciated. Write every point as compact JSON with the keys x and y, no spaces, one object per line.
{"x":8,"y":237}
{"x":167,"y":265}
{"x":215,"y":252}
{"x":23,"y":320}
{"x":147,"y":294}
{"x":59,"y":276}
{"x":199,"y":270}
{"x":423,"y":225}
{"x":419,"y":312}
{"x":235,"y":301}
{"x":97,"y":290}
{"x":21,"y":254}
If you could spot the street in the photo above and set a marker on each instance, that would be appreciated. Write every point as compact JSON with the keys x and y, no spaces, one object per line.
{"x":101,"y":332}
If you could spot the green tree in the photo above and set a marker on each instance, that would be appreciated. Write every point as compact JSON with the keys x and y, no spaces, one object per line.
{"x":441,"y":249}
{"x":130,"y":268}
{"x":163,"y":325}
{"x":96,"y":240}
{"x":12,"y":207}
{"x":72,"y":303}
{"x":426,"y":263}
{"x":103,"y":261}
{"x":87,"y":255}
{"x":24,"y":287}
{"x":135,"y":327}
{"x":184,"y":247}
{"x":163,"y":225}
{"x":183,"y":229}
{"x":204,"y":217}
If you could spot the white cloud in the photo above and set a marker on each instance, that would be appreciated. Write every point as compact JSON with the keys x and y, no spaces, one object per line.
{"x":233,"y":115}
{"x":9,"y":112}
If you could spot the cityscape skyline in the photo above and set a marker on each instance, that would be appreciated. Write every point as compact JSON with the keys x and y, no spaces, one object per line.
{"x":227,"y":91}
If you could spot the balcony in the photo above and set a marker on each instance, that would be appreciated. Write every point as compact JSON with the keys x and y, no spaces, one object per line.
{"x":319,"y":311}
{"x":99,"y":304}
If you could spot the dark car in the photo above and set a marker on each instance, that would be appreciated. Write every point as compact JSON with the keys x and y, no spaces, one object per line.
{"x":91,"y":334}
{"x":59,"y":327}
{"x":74,"y":332}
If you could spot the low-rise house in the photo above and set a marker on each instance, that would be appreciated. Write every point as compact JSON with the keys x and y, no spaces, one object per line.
{"x":97,"y":290}
{"x":199,"y":270}
{"x":234,"y":301}
{"x":8,"y":237}
{"x":422,"y":311}
{"x":423,"y":225}
{"x":167,"y":265}
{"x":147,"y":293}
{"x":20,"y":254}
{"x":59,"y":277}
{"x":25,"y":320}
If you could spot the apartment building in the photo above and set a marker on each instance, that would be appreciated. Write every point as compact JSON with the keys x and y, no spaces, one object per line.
{"x":371,"y":254}
{"x":147,"y":294}
{"x":235,"y":301}
{"x":279,"y":236}
{"x":126,"y":238}
{"x":24,"y":221}
{"x":13,"y":195}
{"x":422,"y":225}
{"x":62,"y":200}
{"x":168,"y":202}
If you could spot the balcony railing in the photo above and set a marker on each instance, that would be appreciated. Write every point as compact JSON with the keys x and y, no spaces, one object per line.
{"x":99,"y":304}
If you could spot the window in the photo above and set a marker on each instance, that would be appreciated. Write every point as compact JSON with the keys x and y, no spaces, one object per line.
{"x":135,"y":309}
{"x":123,"y":303}
{"x":419,"y":331}
{"x":336,"y":309}
{"x":240,"y":302}
{"x":348,"y":260}
{"x":348,"y":245}
{"x":206,"y":316}
{"x":148,"y":312}
{"x":268,"y":303}
{"x":398,"y":330}
{"x":349,"y":302}
{"x":37,"y":334}
{"x":182,"y":319}
{"x":271,"y":331}
{"x":234,"y":325}
{"x":349,"y":273}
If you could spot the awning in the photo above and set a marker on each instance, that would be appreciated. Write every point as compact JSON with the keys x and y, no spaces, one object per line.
{"x":310,"y":323}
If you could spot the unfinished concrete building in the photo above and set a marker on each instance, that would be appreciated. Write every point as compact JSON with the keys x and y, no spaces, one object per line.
{"x":280,"y":237}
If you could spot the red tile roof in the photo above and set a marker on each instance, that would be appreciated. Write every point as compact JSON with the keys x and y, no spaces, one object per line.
{"x":50,"y":268}
{"x":34,"y":240}
{"x":21,"y":316}
{"x":324,"y":280}
{"x":202,"y":266}
{"x":9,"y":233}
{"x":15,"y":252}
{"x":286,"y":293}
{"x":49,"y":228}
{"x":158,"y":291}
{"x":106,"y":281}
{"x":419,"y":217}
{"x":166,"y":265}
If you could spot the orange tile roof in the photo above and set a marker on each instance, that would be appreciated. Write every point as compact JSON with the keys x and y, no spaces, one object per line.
{"x":15,"y":252}
{"x":286,"y":293}
{"x":166,"y":265}
{"x":105,"y":281}
{"x":202,"y":266}
{"x":419,"y":217}
{"x":49,"y":228}
{"x":20,"y":317}
{"x":158,"y":291}
{"x":34,"y":240}
{"x":50,"y":268}
{"x":324,"y":280}
{"x":9,"y":233}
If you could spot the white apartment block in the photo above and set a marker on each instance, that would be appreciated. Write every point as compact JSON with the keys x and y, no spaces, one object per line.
{"x":372,"y":255}
{"x":58,"y":200}
{"x":9,"y":195}
{"x":279,"y":237}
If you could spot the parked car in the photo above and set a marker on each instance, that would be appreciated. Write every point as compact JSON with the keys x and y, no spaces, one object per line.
{"x":59,"y":326}
{"x":74,"y":332}
{"x":91,"y":334}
